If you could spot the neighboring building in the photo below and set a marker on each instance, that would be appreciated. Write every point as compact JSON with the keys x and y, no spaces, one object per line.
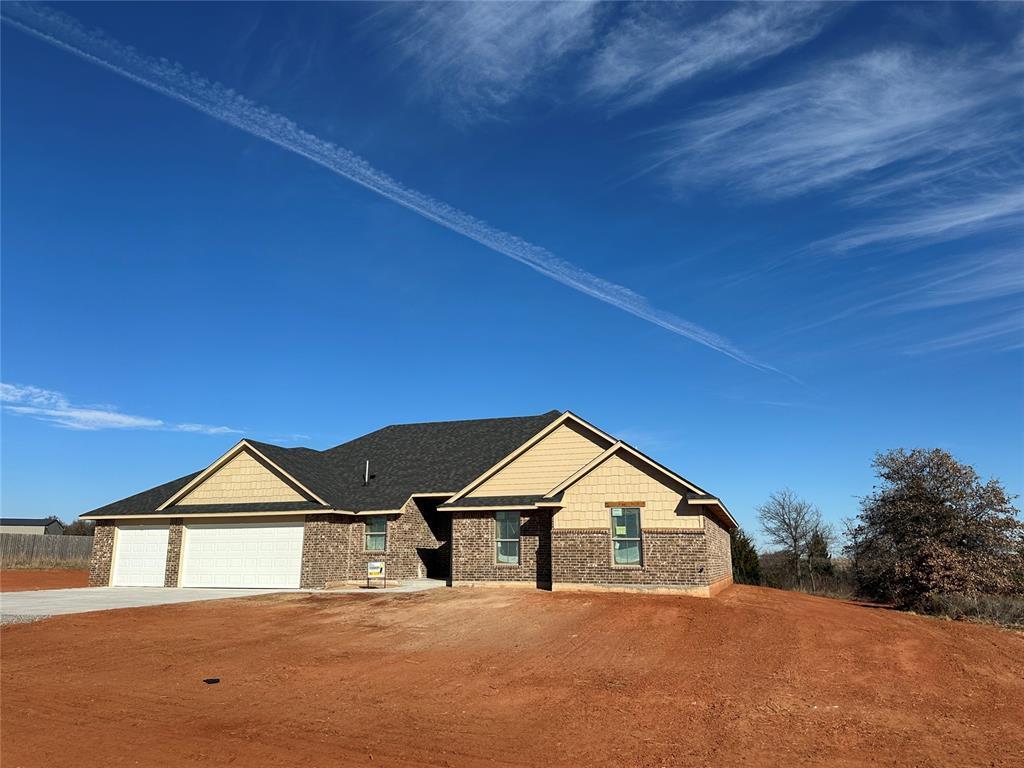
{"x":548,"y":500}
{"x":35,"y":526}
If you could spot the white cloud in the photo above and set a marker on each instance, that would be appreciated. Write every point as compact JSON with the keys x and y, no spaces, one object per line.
{"x":886,"y":121}
{"x":54,"y":407}
{"x":980,"y":278}
{"x":659,"y":46}
{"x":477,"y":57}
{"x":1005,"y":330}
{"x":928,"y":223}
{"x":223,"y":104}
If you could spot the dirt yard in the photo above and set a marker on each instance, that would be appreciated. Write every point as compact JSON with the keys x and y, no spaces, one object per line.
{"x":485,"y":677}
{"x":54,"y":578}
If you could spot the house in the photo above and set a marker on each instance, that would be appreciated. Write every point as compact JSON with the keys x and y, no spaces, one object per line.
{"x":35,"y":526}
{"x":549,"y":500}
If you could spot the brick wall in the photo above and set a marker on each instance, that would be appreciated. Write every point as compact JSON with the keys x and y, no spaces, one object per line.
{"x":719,"y":551}
{"x":173,"y":553}
{"x":102,"y":552}
{"x":474,"y":555}
{"x":326,"y":552}
{"x":333,"y":547}
{"x":670,"y":558}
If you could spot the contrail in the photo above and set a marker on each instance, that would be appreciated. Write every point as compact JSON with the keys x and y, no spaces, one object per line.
{"x":222,"y":103}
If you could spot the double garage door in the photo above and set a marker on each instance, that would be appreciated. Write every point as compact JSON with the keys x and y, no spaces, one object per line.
{"x":221,"y":554}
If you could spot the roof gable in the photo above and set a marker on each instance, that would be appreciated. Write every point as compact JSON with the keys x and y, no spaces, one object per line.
{"x":550,"y":460}
{"x":583,"y":427}
{"x":242,"y":479}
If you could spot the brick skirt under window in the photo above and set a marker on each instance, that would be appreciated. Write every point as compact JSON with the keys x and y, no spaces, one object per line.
{"x":670,"y":558}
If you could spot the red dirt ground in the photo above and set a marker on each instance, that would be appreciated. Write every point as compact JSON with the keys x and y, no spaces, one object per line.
{"x":490,"y":676}
{"x":54,"y":578}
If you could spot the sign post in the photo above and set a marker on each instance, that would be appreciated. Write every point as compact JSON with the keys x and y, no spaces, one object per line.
{"x":376,"y":569}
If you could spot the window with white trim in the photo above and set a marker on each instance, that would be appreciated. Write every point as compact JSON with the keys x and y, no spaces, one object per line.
{"x":506,"y":531}
{"x":626,"y":545}
{"x":376,"y":533}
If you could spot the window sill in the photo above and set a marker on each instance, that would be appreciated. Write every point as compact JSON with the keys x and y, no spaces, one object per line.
{"x":618,"y":567}
{"x":508,"y":565}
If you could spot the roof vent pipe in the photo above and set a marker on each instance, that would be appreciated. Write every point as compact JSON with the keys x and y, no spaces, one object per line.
{"x":366,"y":474}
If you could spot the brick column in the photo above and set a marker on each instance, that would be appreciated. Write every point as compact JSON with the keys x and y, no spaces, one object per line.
{"x":102,"y":552}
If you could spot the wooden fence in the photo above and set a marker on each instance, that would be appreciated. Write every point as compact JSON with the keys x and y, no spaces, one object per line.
{"x":23,"y":550}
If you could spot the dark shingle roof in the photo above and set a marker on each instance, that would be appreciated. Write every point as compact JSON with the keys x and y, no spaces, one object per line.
{"x":433,"y":457}
{"x":145,"y":502}
{"x":28,"y":520}
{"x":496,"y":501}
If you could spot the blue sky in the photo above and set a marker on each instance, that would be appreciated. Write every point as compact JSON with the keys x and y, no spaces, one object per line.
{"x":760,"y":242}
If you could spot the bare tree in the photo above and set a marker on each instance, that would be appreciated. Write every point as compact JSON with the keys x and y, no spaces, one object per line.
{"x":789,"y":522}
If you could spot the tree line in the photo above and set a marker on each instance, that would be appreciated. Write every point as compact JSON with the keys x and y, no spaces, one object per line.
{"x":931,"y":536}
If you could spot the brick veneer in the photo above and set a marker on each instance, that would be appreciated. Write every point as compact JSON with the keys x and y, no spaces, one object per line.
{"x":474,"y":556}
{"x":670,"y":557}
{"x":333,"y":547}
{"x":719,"y":551}
{"x":173,"y":553}
{"x":697,"y":558}
{"x":102,"y":552}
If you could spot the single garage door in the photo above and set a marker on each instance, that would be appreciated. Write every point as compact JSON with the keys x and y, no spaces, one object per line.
{"x":242,"y":554}
{"x":140,"y":556}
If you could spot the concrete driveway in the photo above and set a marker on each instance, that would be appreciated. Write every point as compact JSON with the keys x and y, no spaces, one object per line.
{"x":26,"y":606}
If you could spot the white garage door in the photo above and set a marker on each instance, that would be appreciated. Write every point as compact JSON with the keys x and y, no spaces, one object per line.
{"x":237,"y":554}
{"x":140,"y":556}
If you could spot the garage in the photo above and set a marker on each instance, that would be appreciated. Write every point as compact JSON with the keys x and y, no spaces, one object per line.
{"x":140,"y":556}
{"x":242,"y":554}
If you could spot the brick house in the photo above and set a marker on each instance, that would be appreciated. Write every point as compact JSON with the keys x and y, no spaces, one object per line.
{"x":550,"y":500}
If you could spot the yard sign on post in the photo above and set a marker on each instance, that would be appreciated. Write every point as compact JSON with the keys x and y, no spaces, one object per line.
{"x":376,"y":569}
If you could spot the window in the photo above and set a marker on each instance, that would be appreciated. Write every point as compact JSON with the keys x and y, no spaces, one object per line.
{"x":626,"y":535}
{"x":507,"y":536}
{"x":376,"y":533}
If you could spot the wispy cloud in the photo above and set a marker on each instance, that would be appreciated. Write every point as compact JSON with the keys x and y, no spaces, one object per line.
{"x":973,"y":279}
{"x":935,"y":222}
{"x":981,"y":294}
{"x":659,"y":46}
{"x":54,"y":407}
{"x":227,"y":106}
{"x":884,"y":121}
{"x":1005,"y":331}
{"x":478,"y":57}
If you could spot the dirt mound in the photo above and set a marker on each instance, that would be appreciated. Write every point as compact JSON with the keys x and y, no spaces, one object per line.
{"x":476,"y":677}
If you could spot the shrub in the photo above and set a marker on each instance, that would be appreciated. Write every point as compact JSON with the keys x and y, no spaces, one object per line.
{"x":932,"y":529}
{"x":1005,"y":610}
{"x":746,"y":565}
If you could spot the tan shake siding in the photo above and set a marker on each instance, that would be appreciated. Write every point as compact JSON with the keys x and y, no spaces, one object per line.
{"x":474,"y":553}
{"x":622,"y":478}
{"x":242,"y":480}
{"x":102,"y":553}
{"x":545,"y":464}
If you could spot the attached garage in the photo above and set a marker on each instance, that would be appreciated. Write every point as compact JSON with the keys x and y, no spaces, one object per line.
{"x":140,"y":555}
{"x":254,"y":553}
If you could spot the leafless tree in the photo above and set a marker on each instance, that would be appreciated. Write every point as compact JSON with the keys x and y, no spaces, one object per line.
{"x":789,"y":522}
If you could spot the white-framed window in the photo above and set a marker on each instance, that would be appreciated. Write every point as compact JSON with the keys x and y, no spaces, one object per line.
{"x":376,"y":533}
{"x":506,"y":529}
{"x":626,"y":545}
